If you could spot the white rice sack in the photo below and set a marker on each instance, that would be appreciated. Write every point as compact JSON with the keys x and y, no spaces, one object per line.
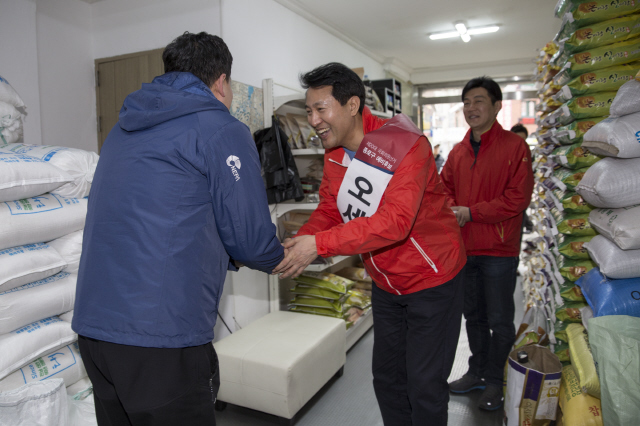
{"x":621,"y":226}
{"x":67,"y":316}
{"x":612,"y":260}
{"x":36,"y":404}
{"x":20,"y":347}
{"x":78,"y":163}
{"x":81,"y":385}
{"x":611,"y":182}
{"x":9,"y":95}
{"x":62,"y":363}
{"x":82,"y":409}
{"x":26,"y":264}
{"x":627,"y":100}
{"x":70,"y":248}
{"x":38,"y":219}
{"x":30,"y":302}
{"x":23,"y":176}
{"x":10,"y":123}
{"x":615,"y":137}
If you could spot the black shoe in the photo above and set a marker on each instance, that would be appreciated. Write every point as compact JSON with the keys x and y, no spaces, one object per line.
{"x":467,"y":383}
{"x":491,"y":398}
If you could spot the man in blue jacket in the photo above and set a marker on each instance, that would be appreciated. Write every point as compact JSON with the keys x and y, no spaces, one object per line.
{"x":177,"y":198}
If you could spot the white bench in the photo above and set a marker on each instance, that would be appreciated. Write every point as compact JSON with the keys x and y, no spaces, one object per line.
{"x":277,"y":363}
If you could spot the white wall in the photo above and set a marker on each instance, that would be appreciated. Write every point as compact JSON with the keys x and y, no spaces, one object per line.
{"x":127,"y":26}
{"x":268,"y":40}
{"x":19,"y":59}
{"x":66,"y":74}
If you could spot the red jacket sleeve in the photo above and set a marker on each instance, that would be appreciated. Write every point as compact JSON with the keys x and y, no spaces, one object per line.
{"x":396,"y":214}
{"x":515,"y":198}
{"x":447,"y":179}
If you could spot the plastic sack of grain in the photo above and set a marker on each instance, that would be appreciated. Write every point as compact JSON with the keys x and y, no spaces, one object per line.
{"x":37,"y":219}
{"x":573,"y":132}
{"x":70,"y":248}
{"x":572,"y":202}
{"x":582,"y":360}
{"x":586,"y":106}
{"x":574,"y":224}
{"x":579,"y":14}
{"x":578,"y":409}
{"x":8,"y":94}
{"x":36,"y":404}
{"x":627,"y":100}
{"x":608,"y":296}
{"x":606,"y":79}
{"x":62,"y":363}
{"x":612,"y":260}
{"x":575,"y":156}
{"x":20,"y":347}
{"x":25,"y":264}
{"x":601,"y":33}
{"x":615,"y":137}
{"x":564,"y":178}
{"x":571,"y":270}
{"x":10,"y":123}
{"x":30,"y":302}
{"x":573,"y":247}
{"x":611,"y":182}
{"x":621,"y":226}
{"x":78,"y":163}
{"x":23,"y":176}
{"x":623,"y":52}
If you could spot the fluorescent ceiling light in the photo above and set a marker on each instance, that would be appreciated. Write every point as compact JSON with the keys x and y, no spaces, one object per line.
{"x":465,"y":37}
{"x":483,"y":30}
{"x":461,"y":28}
{"x":439,"y":36}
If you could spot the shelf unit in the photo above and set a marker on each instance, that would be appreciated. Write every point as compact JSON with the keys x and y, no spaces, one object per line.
{"x":278,"y":294}
{"x":389,"y":90}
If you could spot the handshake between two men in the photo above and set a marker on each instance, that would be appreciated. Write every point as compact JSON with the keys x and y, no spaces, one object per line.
{"x":299,"y":253}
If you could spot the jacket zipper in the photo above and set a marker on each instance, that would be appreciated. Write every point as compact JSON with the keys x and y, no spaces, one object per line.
{"x":429,"y":261}
{"x":383,"y":274}
{"x":500,"y":229}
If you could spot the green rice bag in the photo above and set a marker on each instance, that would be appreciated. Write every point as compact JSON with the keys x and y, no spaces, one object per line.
{"x":573,"y":294}
{"x":570,"y":178}
{"x":581,"y":14}
{"x":605,"y":79}
{"x":317,"y":311}
{"x":573,"y":133}
{"x":560,"y":331}
{"x":314,"y":302}
{"x":571,"y":270}
{"x":586,"y":106}
{"x":325,"y":280}
{"x":573,"y":247}
{"x":572,"y":202}
{"x":575,"y":224}
{"x":570,"y":312}
{"x":601,"y":33}
{"x":575,"y":156}
{"x":562,"y":351}
{"x":619,"y":53}
{"x":322,"y":293}
{"x":358,"y":299}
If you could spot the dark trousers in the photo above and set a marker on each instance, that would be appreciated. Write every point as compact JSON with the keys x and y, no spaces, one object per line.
{"x":415,"y":339}
{"x":140,"y":386}
{"x":489,"y":310}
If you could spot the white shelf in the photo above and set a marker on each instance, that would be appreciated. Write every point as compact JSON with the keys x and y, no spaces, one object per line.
{"x":282,"y":208}
{"x":359,"y":328}
{"x":308,"y":151}
{"x":321,"y":267}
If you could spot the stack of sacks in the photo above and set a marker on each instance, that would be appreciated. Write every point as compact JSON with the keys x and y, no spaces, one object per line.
{"x":330,"y":295}
{"x":10,"y":117}
{"x":40,"y":246}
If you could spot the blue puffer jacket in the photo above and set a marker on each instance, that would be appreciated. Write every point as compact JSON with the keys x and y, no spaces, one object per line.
{"x":176,"y":194}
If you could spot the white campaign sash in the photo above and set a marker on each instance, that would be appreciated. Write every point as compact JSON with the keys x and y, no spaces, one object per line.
{"x":378,"y":157}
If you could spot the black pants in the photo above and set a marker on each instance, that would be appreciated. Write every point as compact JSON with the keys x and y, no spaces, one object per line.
{"x":489,"y":310}
{"x":415,"y":340}
{"x":151,"y":386}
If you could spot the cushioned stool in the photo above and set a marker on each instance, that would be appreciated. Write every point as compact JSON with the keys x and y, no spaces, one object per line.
{"x":277,"y":363}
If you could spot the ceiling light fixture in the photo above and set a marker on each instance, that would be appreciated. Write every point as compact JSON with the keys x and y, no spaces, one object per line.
{"x":463,"y":32}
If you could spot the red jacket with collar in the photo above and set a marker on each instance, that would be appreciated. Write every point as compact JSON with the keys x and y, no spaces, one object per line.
{"x":412,"y":242}
{"x":496,"y":186}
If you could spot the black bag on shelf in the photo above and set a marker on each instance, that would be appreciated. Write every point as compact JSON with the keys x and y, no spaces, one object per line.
{"x":279,"y":170}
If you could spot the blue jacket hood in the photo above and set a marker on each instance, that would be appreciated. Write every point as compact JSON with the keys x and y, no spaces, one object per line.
{"x":169,"y":96}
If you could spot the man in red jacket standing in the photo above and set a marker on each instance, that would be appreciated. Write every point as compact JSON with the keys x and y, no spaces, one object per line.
{"x":489,"y":179}
{"x":381,"y":197}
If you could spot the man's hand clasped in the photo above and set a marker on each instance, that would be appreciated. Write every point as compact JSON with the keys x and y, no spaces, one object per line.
{"x":463,"y":214}
{"x":299,"y":253}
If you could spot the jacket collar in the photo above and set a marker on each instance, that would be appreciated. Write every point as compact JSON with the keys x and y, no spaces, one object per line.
{"x":486,"y":138}
{"x":369,"y":123}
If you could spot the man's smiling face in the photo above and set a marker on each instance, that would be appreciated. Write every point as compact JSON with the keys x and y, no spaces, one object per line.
{"x":331,"y":121}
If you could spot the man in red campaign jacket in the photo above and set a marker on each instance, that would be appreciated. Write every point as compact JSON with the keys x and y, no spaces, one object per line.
{"x":381,"y":197}
{"x":489,"y":179}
